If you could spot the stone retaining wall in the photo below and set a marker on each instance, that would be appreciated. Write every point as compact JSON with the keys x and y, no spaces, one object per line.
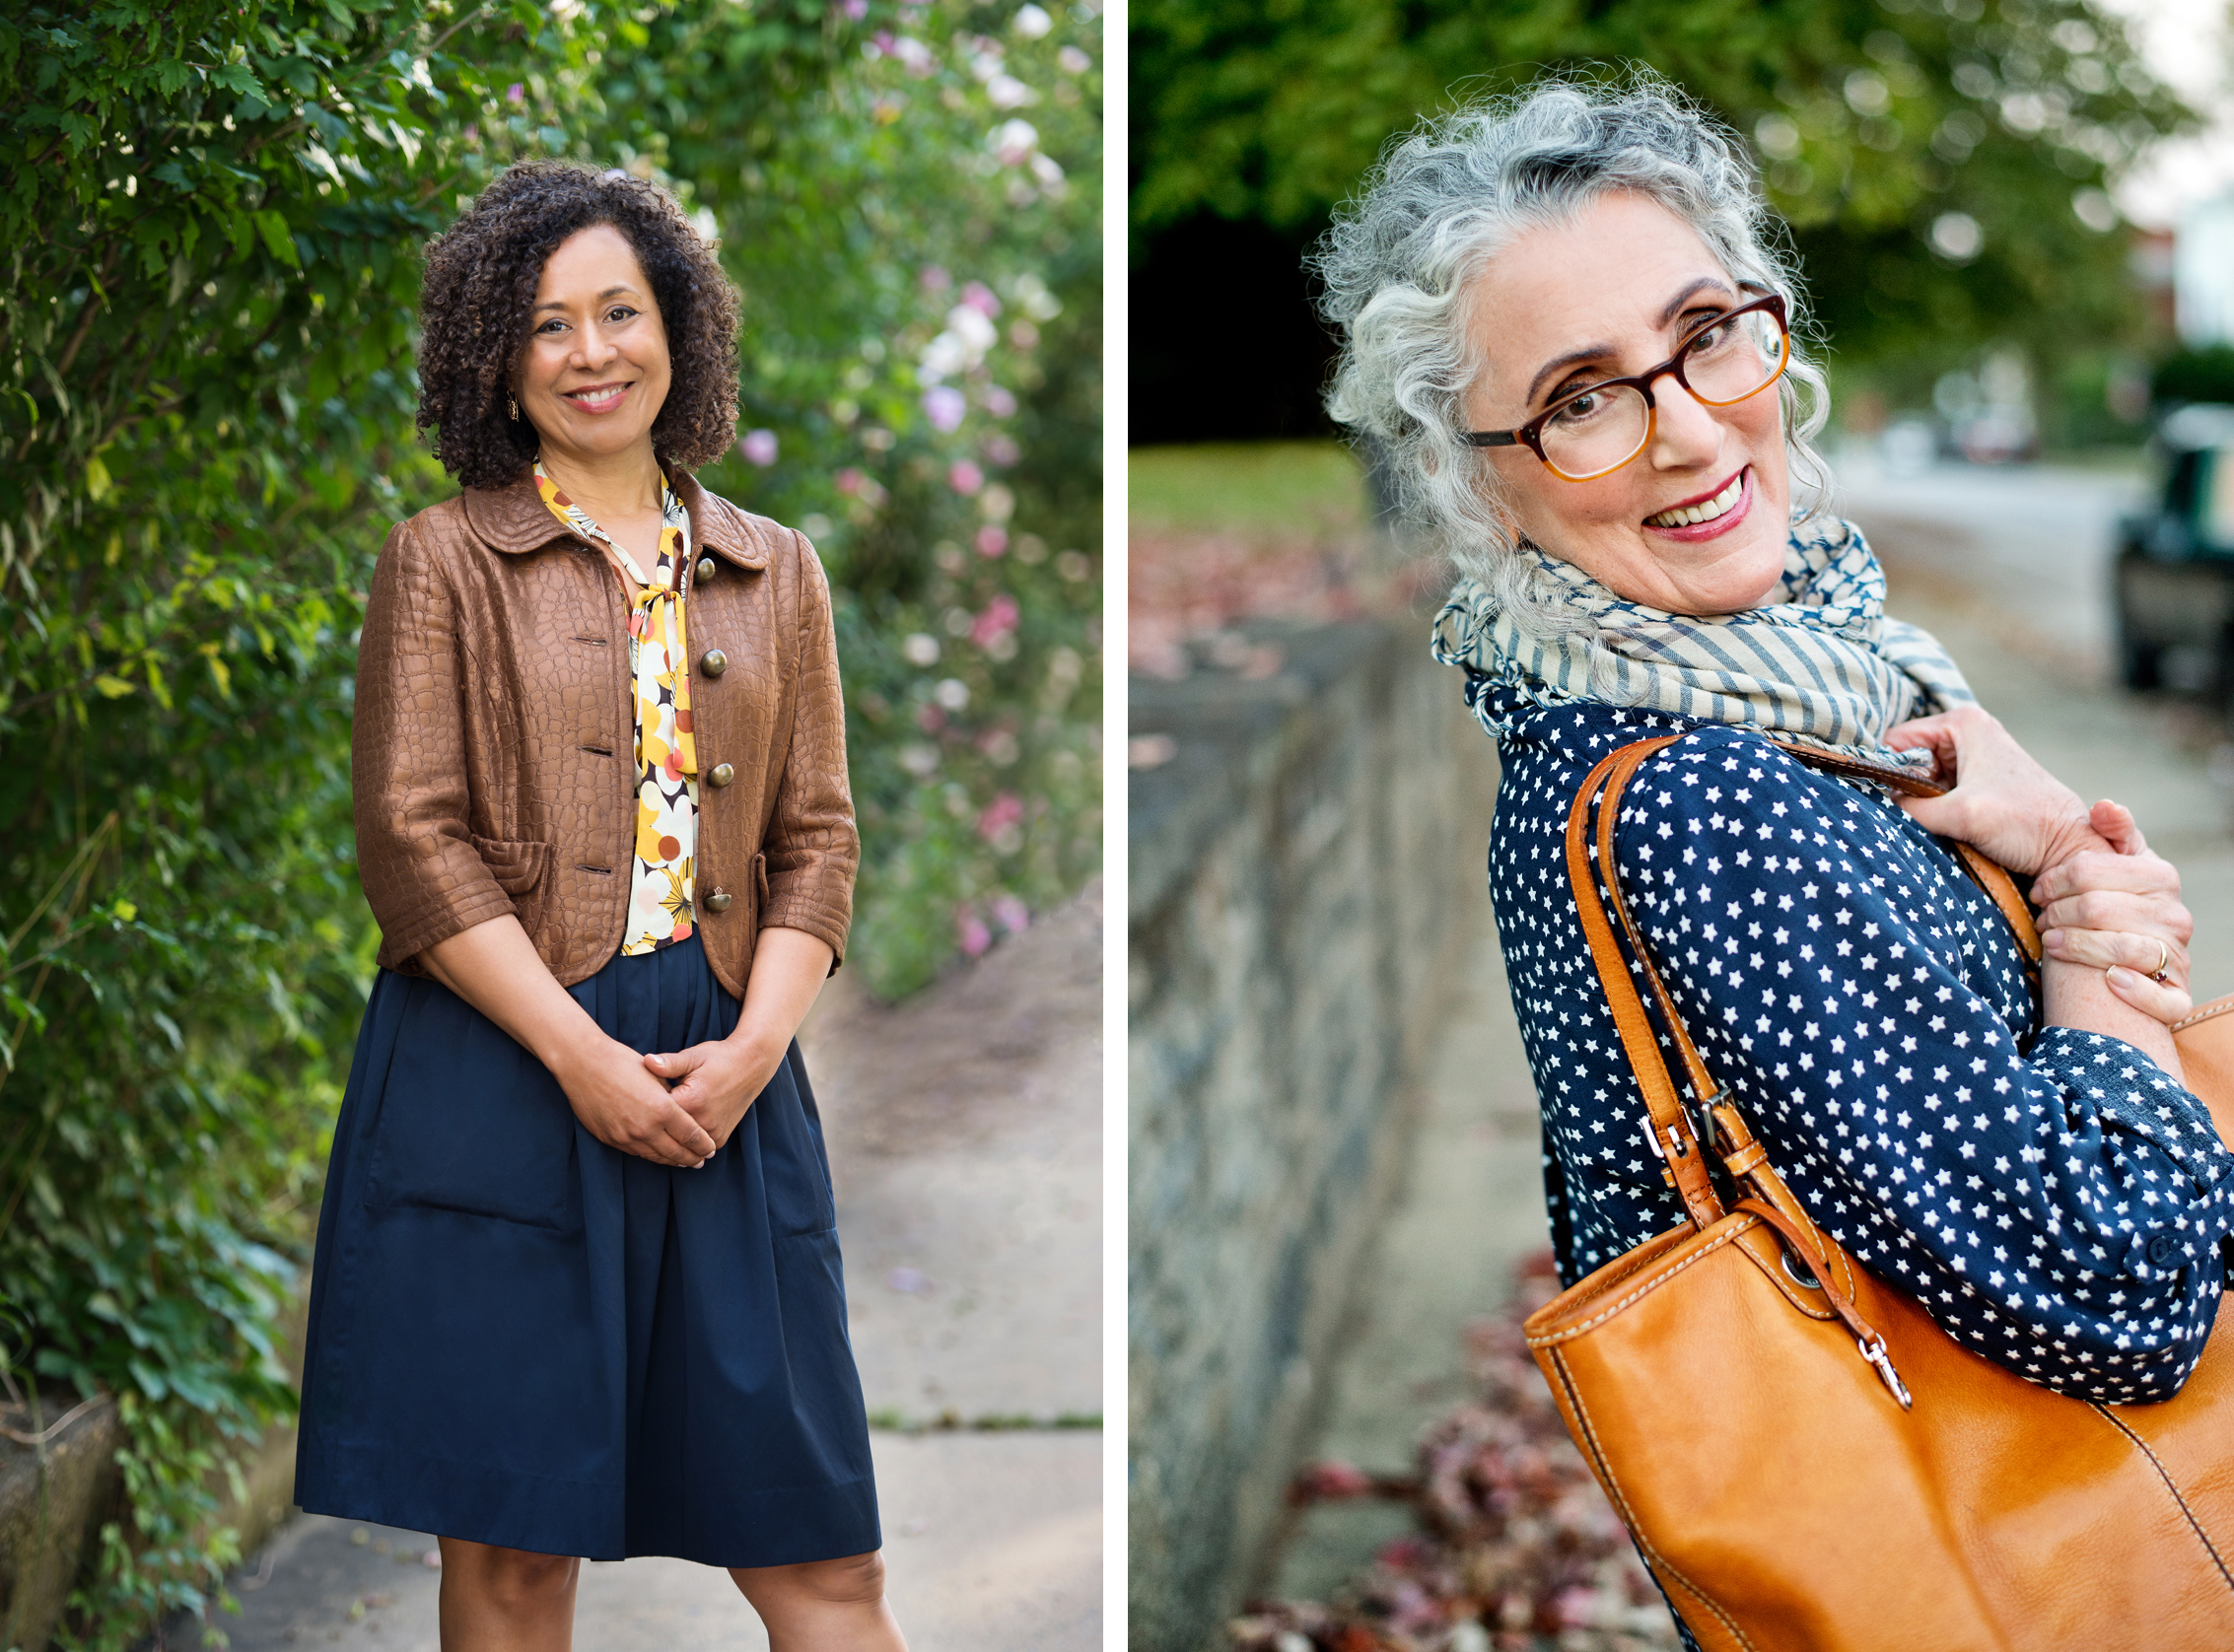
{"x":1303,"y":868}
{"x":55,"y":1496}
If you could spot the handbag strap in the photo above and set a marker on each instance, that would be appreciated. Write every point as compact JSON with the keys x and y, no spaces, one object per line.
{"x":1677,"y":1136}
{"x":1983,"y":870}
{"x":1722,"y":1128}
{"x":1674,"y":1138}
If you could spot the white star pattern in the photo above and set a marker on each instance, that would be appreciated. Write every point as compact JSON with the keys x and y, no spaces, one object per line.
{"x":1866,"y":1006}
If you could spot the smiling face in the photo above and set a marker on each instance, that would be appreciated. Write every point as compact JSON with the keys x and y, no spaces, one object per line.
{"x":595,"y":370}
{"x":1611,"y":292}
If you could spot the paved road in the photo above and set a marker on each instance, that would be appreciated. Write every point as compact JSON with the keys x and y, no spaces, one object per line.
{"x":964,"y":1131}
{"x":2038,"y":538}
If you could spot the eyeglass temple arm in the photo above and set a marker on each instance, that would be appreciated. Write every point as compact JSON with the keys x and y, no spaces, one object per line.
{"x":1493,"y":438}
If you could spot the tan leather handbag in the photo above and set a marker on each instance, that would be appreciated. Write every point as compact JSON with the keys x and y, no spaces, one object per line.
{"x":1810,"y":1465}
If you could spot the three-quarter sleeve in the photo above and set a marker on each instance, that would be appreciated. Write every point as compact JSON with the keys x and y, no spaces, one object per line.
{"x":422,"y":877}
{"x":812,"y":846}
{"x":2061,"y":1209}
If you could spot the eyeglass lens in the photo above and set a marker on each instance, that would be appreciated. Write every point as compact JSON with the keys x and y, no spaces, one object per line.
{"x":1603,"y":428}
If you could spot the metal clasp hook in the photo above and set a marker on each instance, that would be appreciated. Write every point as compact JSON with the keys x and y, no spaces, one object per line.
{"x":1874,"y":1352}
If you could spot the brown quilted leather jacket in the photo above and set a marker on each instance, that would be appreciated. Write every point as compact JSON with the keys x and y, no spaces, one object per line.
{"x":492,"y":759}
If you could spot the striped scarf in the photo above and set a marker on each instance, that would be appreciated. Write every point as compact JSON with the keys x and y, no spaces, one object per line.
{"x":1823,"y":664}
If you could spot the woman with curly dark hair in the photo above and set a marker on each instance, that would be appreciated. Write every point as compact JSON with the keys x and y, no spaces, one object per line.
{"x":577,"y":1287}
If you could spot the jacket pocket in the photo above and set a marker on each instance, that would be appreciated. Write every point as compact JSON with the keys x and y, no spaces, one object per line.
{"x":523,"y":870}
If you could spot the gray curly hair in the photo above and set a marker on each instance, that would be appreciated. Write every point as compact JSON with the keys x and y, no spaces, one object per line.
{"x":1397,"y":264}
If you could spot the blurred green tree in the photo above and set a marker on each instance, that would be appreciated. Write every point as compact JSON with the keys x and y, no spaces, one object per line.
{"x":1945,"y":164}
{"x":206,"y":330}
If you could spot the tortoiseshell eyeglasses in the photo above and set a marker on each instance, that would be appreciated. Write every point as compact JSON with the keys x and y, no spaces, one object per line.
{"x":1602,"y":427}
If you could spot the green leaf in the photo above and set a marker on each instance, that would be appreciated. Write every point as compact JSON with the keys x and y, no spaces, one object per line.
{"x":114,"y":687}
{"x":152,"y":1382}
{"x":273,"y":228}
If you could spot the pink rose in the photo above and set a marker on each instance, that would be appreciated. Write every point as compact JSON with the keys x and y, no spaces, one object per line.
{"x":999,"y":617}
{"x":1004,"y":811}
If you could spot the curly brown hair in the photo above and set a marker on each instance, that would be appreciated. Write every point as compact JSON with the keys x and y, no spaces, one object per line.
{"x":479,"y":288}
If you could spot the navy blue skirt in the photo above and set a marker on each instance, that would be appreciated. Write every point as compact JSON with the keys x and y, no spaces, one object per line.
{"x":520,"y":1336}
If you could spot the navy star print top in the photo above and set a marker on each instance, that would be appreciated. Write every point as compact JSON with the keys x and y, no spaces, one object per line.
{"x":2051,"y":1197}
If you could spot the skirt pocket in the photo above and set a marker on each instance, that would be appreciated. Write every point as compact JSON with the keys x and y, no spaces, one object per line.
{"x":811,"y":1297}
{"x":795,"y":1169}
{"x":470,"y":1122}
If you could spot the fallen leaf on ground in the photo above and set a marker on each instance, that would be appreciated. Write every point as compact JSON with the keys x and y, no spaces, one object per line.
{"x":1515,"y":1547}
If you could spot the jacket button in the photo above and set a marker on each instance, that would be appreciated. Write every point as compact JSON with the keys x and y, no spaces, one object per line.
{"x":723,"y":774}
{"x":713,"y":662}
{"x":706,"y":569}
{"x":2163,"y":1250}
{"x":719,"y":901}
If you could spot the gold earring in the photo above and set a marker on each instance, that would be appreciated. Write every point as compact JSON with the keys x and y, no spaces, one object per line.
{"x":513,"y":403}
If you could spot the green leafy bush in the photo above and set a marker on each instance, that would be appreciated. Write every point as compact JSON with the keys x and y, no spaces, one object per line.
{"x":921,"y":259}
{"x":205,"y":407}
{"x":205,"y":397}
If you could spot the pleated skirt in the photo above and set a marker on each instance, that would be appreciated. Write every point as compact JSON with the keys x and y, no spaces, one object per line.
{"x":520,"y":1336}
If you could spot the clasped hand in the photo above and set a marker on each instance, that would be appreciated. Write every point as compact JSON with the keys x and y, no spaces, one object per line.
{"x":2106,"y":902}
{"x":675,"y":1108}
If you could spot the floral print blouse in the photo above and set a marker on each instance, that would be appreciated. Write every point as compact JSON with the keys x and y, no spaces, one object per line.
{"x":659,"y":911}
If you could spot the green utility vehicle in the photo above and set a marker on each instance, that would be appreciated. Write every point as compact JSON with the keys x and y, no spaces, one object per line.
{"x":2174,"y":568}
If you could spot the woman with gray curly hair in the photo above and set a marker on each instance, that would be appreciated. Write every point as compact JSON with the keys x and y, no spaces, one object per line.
{"x":1569,"y":329}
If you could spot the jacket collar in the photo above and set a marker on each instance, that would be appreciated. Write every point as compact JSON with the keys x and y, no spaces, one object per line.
{"x":715,"y":524}
{"x":513,"y":519}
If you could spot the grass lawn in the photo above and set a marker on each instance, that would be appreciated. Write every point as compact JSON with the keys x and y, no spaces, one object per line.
{"x":1288,"y":489}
